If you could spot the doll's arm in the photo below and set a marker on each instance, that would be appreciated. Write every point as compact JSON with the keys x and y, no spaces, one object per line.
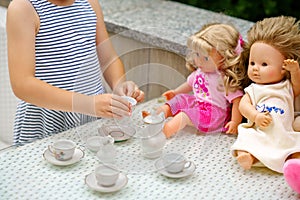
{"x":293,"y":67}
{"x":236,"y":117}
{"x":249,"y":111}
{"x":183,"y":88}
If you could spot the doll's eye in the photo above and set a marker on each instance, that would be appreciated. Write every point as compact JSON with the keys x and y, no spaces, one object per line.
{"x":197,"y":54}
{"x":205,"y":58}
{"x":264,"y":64}
{"x":252,"y":63}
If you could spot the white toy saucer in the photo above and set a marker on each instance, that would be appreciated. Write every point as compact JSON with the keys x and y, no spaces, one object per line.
{"x":154,"y":119}
{"x":91,"y":182}
{"x":186,"y":172}
{"x":118,"y":132}
{"x":78,"y":154}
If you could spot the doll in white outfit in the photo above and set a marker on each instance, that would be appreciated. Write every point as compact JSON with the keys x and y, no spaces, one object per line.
{"x":272,"y":55}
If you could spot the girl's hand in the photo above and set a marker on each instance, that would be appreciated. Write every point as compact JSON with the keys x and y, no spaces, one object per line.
{"x":111,"y":105}
{"x":169,"y":94}
{"x":129,"y":88}
{"x":232,"y":127}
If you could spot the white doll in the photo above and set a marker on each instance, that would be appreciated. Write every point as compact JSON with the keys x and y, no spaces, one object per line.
{"x":273,"y":54}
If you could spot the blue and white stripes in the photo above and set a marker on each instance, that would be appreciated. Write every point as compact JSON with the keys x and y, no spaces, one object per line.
{"x":66,"y":57}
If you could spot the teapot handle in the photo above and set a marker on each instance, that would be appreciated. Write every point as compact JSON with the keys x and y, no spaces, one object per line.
{"x":110,"y":140}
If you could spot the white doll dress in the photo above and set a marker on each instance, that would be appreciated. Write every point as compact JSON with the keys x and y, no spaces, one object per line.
{"x":273,"y":144}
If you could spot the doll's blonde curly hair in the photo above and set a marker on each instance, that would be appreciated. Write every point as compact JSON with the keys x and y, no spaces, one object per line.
{"x":282,"y":33}
{"x":225,"y":39}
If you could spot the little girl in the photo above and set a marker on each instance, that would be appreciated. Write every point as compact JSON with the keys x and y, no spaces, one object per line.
{"x":273,"y":54}
{"x":216,"y":83}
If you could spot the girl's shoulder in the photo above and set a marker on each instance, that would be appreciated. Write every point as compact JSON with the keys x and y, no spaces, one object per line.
{"x":21,"y":15}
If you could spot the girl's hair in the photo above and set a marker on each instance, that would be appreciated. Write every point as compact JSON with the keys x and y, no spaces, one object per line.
{"x":228,"y":43}
{"x":282,"y":33}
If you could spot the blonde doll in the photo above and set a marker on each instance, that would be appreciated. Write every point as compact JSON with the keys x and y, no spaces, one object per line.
{"x":216,"y":83}
{"x":273,"y":51}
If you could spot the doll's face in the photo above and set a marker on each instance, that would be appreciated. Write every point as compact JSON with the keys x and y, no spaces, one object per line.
{"x":207,"y":63}
{"x":265,"y":64}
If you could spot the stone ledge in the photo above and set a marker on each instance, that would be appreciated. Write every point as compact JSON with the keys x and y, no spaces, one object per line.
{"x":163,"y":24}
{"x":160,"y":23}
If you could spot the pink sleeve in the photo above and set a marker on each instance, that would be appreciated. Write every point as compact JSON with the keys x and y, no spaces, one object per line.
{"x":233,"y":95}
{"x":190,"y":78}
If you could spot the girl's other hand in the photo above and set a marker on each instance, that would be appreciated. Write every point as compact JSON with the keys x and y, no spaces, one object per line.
{"x":129,"y":88}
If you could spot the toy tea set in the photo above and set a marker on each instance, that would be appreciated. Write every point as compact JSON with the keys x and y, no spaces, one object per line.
{"x":107,"y":177}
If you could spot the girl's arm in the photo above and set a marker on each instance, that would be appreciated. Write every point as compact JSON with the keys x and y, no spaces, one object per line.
{"x":111,"y":65}
{"x":22,"y":25}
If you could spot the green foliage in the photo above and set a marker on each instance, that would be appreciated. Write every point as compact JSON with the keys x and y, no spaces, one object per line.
{"x":249,"y":10}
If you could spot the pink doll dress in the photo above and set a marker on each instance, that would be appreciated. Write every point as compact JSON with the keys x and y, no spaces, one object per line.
{"x":273,"y":144}
{"x":208,"y":107}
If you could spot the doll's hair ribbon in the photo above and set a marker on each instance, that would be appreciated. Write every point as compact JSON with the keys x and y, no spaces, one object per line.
{"x":239,"y":47}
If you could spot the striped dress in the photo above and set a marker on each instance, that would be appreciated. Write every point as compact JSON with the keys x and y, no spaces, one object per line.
{"x":66,"y":57}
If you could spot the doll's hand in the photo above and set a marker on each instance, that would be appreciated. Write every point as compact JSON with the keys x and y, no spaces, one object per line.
{"x":169,"y":94}
{"x":263,"y":119}
{"x":231,"y":127}
{"x":290,"y":65}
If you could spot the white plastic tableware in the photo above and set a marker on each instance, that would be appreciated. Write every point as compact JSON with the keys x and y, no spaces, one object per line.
{"x":175,"y":163}
{"x":62,"y":149}
{"x":106,"y":175}
{"x":91,"y":182}
{"x":94,"y":143}
{"x":131,"y":100}
{"x":154,"y":119}
{"x":152,"y":139}
{"x":186,"y":172}
{"x":78,"y":155}
{"x":118,"y":132}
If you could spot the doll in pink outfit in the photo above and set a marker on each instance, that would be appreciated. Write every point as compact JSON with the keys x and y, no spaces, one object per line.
{"x":209,"y":99}
{"x":273,"y":55}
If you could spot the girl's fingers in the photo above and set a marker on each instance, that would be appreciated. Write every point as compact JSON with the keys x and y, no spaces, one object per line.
{"x":120,"y":106}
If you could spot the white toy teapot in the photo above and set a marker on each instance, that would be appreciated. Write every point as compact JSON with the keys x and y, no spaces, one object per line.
{"x":107,"y":152}
{"x":153,"y":140}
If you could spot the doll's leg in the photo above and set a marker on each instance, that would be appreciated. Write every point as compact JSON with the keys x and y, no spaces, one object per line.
{"x":296,"y":124}
{"x":295,"y":155}
{"x":291,"y":172}
{"x":245,"y":159}
{"x":177,"y":123}
{"x":166,"y":109}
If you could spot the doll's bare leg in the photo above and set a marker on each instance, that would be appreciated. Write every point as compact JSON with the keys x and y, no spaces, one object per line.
{"x":296,"y":124}
{"x":166,"y":109}
{"x":245,"y":159}
{"x":295,"y":155}
{"x":177,"y":123}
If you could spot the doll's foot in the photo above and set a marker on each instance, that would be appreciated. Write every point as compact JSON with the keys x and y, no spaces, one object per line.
{"x":291,"y":172}
{"x":245,"y":160}
{"x":145,"y":113}
{"x":169,"y":130}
